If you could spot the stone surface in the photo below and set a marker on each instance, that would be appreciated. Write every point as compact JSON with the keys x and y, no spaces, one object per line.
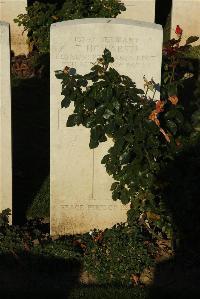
{"x":186,"y":14}
{"x":141,"y":10}
{"x":9,"y":10}
{"x":5,"y":120}
{"x":80,"y":187}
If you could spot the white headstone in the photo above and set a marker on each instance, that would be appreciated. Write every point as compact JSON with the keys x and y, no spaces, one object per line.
{"x":186,"y":14}
{"x":80,"y":187}
{"x":9,"y":10}
{"x":5,"y":120}
{"x":141,"y":10}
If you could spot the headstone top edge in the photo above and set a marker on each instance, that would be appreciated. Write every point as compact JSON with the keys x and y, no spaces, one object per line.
{"x":4,"y":24}
{"x":117,"y":21}
{"x":3,"y":1}
{"x":175,"y":1}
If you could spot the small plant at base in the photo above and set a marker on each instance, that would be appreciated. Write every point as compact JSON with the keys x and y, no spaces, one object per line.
{"x":118,"y":254}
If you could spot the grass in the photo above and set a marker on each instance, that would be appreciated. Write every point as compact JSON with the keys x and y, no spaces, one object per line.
{"x":40,"y":206}
{"x":194,"y":53}
{"x":108,"y":292}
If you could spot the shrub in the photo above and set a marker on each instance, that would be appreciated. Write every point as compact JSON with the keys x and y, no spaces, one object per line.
{"x":117,"y":255}
{"x":40,"y":16}
{"x":147,"y":135}
{"x":15,"y":240}
{"x":11,"y":238}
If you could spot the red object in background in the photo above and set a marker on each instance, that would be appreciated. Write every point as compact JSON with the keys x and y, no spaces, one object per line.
{"x":179,"y":30}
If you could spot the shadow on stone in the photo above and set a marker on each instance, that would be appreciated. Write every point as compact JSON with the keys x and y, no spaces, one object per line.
{"x":31,"y":141}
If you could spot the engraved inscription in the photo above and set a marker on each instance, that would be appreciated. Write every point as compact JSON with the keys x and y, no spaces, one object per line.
{"x":87,"y":49}
{"x":95,"y":207}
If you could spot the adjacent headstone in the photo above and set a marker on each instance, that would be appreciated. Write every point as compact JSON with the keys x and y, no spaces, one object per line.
{"x":5,"y":120}
{"x":141,"y":10}
{"x":80,"y":187}
{"x":186,"y":14}
{"x":9,"y":10}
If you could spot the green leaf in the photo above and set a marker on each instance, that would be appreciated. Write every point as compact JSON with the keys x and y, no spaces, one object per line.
{"x":191,"y":39}
{"x":114,"y":186}
{"x":65,"y":103}
{"x":172,"y":90}
{"x":89,"y":103}
{"x":116,"y":104}
{"x":115,"y":194}
{"x":82,"y":82}
{"x":60,"y":75}
{"x":107,"y":114}
{"x":124,"y":196}
{"x":175,"y":115}
{"x":172,"y":126}
{"x":97,"y":68}
{"x":103,"y":138}
{"x":129,"y":137}
{"x":105,"y":159}
{"x":89,"y":121}
{"x":93,"y":143}
{"x":107,"y":57}
{"x":109,"y":93}
{"x":110,"y":127}
{"x":72,"y":120}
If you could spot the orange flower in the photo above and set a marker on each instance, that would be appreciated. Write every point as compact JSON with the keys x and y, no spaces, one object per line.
{"x":153,"y":117}
{"x":66,"y":70}
{"x":55,"y":18}
{"x":154,"y":114}
{"x":159,"y":106}
{"x":135,"y":279}
{"x":173,"y":100}
{"x":178,"y":143}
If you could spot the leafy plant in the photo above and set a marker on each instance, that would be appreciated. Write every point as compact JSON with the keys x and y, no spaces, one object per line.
{"x":37,"y":22}
{"x":40,"y":16}
{"x":15,"y":239}
{"x":10,"y":237}
{"x":146,"y":135}
{"x":118,"y":254}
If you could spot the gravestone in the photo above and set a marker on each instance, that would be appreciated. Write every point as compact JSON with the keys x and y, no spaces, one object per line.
{"x":186,"y":14}
{"x":79,"y":185}
{"x":141,"y":10}
{"x":5,"y":120}
{"x":9,"y":10}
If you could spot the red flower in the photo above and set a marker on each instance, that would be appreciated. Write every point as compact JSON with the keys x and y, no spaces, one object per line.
{"x":179,"y":30}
